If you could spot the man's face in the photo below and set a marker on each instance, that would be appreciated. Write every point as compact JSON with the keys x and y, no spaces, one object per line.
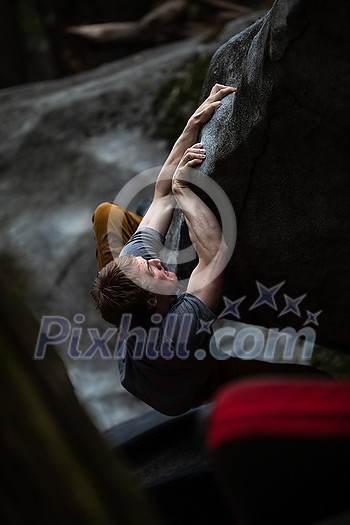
{"x":155,"y":277}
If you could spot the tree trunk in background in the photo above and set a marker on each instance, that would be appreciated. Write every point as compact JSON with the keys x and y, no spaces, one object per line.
{"x":11,"y":50}
{"x":74,"y":54}
{"x":33,"y":42}
{"x":25,"y":49}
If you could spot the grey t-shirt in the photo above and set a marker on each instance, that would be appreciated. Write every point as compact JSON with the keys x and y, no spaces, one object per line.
{"x":145,"y":242}
{"x":160,"y":366}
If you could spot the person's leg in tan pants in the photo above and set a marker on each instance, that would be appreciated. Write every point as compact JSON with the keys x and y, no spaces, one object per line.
{"x":113,"y":227}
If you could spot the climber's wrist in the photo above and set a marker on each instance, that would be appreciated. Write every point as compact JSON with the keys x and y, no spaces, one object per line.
{"x":190,"y":134}
{"x":192,"y":127}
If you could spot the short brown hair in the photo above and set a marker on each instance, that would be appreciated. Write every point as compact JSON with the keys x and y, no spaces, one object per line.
{"x":115,"y":292}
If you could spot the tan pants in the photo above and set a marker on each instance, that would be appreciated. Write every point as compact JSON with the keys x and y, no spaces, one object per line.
{"x":113,"y":227}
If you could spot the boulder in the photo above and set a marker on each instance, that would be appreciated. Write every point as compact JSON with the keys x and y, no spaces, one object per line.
{"x":280,"y":149}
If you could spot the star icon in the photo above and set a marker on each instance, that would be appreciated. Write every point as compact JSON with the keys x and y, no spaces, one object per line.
{"x":205,"y":326}
{"x":231,"y":307}
{"x":267,"y":295}
{"x":312,"y":317}
{"x":292,"y":305}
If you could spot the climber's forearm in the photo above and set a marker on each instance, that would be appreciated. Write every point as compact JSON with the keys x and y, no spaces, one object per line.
{"x":206,"y":280}
{"x":204,"y":230}
{"x":187,"y":138}
{"x":160,"y":212}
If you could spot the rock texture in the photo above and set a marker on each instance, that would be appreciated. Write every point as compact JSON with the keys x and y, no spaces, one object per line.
{"x":280,"y":150}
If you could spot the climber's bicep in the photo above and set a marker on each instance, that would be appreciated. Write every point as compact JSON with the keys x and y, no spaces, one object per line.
{"x":206,"y":281}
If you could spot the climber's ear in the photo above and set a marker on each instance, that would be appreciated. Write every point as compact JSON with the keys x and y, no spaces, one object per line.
{"x":151,"y":302}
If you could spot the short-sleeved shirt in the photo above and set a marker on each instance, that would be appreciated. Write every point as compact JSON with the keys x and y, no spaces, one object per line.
{"x":145,"y":242}
{"x":168,"y":366}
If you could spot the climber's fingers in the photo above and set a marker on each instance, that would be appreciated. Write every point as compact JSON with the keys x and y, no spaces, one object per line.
{"x":193,"y":156}
{"x":207,"y":108}
{"x":221,"y":90}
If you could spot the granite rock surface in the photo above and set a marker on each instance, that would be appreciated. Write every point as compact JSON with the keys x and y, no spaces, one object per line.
{"x":279,"y":148}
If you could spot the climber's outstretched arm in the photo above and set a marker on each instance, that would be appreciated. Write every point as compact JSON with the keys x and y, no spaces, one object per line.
{"x":205,"y":232}
{"x":160,"y":212}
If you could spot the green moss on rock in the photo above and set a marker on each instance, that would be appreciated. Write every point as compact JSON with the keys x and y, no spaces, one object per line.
{"x":178,"y":98}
